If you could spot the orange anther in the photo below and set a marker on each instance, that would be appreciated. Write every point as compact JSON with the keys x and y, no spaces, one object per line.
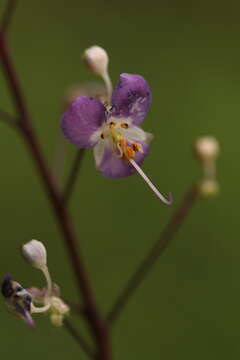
{"x":130,"y":153}
{"x":137,"y":147}
{"x":122,"y":143}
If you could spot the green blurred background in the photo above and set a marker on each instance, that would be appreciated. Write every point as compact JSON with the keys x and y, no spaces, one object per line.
{"x":188,"y":307}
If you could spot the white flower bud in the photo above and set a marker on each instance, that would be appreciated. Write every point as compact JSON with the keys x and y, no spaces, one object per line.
{"x":207,"y":148}
{"x":35,"y":253}
{"x":96,"y":59}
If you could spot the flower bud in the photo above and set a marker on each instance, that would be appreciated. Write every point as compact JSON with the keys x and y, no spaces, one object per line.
{"x":206,"y":148}
{"x":96,"y":59}
{"x":58,"y":310}
{"x":35,"y":253}
{"x":208,"y":188}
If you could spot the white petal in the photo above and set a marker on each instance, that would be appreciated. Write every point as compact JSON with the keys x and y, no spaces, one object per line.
{"x":134,"y":133}
{"x":98,"y":152}
{"x":95,"y":136}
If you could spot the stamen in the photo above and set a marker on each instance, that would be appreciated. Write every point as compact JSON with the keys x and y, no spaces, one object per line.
{"x":120,"y":151}
{"x":124,"y":125}
{"x":150,"y":184}
{"x":137,"y":147}
{"x":130,"y":153}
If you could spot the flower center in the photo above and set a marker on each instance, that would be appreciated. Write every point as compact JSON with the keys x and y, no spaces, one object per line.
{"x":127,"y":148}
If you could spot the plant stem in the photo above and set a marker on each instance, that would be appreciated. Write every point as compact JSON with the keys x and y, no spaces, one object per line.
{"x":94,"y":320}
{"x":68,"y":190}
{"x":59,"y":160}
{"x":156,"y":251}
{"x":79,"y":339}
{"x":7,"y":16}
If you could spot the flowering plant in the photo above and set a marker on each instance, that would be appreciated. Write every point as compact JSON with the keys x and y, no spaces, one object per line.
{"x":109,"y":122}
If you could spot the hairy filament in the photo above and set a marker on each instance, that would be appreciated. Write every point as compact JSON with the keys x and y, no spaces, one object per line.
{"x":150,"y":184}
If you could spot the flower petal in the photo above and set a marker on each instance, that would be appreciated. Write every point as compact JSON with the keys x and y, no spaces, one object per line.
{"x":81,"y":122}
{"x":112,"y":166}
{"x":39,"y":295}
{"x":135,"y":133}
{"x":131,"y":98}
{"x":6,"y":287}
{"x":25,"y":315}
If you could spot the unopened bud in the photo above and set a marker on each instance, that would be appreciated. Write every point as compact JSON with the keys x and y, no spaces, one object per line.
{"x":58,"y":310}
{"x":208,"y":188}
{"x":96,"y":59}
{"x":207,"y":148}
{"x":35,"y":253}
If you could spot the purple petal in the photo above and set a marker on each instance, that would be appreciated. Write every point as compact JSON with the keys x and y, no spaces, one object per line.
{"x":113,"y":167}
{"x":6,"y":287}
{"x":40,"y":294}
{"x":24,"y":315}
{"x":131,"y":98}
{"x":83,"y":118}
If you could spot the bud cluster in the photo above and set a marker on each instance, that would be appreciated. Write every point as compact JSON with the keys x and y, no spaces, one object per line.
{"x":207,"y":150}
{"x":22,"y":302}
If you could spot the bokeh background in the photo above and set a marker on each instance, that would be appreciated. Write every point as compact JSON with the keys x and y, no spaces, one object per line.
{"x":188,"y":307}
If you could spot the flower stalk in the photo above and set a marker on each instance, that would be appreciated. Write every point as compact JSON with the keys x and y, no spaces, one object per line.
{"x":93,"y":317}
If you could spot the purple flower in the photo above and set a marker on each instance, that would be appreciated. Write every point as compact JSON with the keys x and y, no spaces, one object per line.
{"x":18,"y":299}
{"x":120,"y":145}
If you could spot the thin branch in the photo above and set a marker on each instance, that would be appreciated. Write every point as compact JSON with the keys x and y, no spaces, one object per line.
{"x":59,"y":158}
{"x":8,"y":14}
{"x":156,"y":251}
{"x":71,"y":181}
{"x":8,"y":119}
{"x":76,"y":307}
{"x":99,"y":330}
{"x":79,"y":339}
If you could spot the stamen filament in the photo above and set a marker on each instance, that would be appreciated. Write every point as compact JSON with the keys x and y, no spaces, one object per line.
{"x":150,"y":184}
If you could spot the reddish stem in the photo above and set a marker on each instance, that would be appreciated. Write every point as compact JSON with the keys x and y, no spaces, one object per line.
{"x":95,"y":322}
{"x":69,"y":187}
{"x":7,"y":16}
